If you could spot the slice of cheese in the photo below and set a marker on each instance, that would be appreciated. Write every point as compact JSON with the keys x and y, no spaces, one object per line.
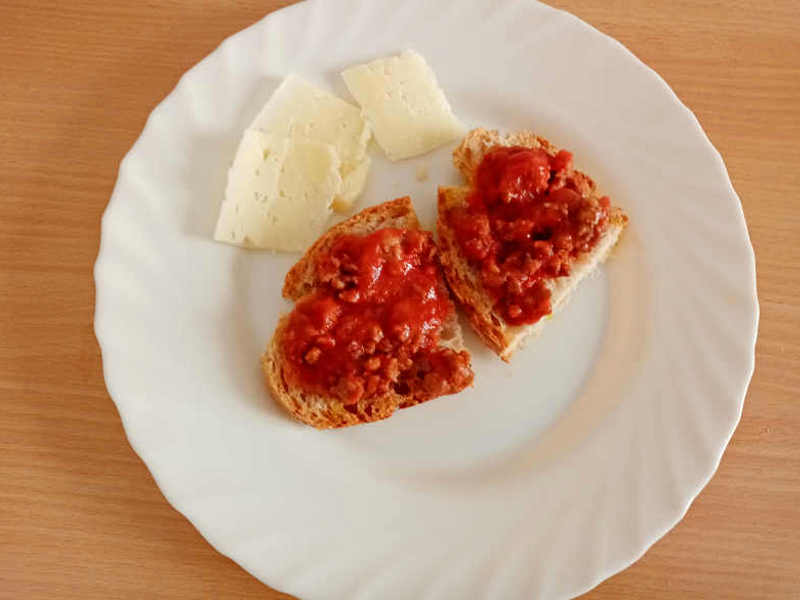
{"x":279,"y":193}
{"x":404,"y":105}
{"x":251,"y":189}
{"x":300,"y":109}
{"x":308,"y":184}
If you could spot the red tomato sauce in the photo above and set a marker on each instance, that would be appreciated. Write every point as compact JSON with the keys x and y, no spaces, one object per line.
{"x":373,"y":325}
{"x":525,"y":223}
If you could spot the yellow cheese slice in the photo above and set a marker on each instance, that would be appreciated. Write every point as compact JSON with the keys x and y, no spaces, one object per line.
{"x":403,"y":103}
{"x":280,"y":192}
{"x":299,"y":109}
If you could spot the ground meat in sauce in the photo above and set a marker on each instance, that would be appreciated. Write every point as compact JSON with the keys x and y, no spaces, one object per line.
{"x":526,"y":221}
{"x":373,"y":325}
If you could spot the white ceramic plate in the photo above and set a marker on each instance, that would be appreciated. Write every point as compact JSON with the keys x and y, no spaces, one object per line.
{"x":551,"y":473}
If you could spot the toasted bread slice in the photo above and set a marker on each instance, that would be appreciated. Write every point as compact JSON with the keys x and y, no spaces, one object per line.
{"x":464,"y":281}
{"x":324,"y":412}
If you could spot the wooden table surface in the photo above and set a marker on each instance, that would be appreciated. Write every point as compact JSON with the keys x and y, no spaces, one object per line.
{"x":80,"y":516}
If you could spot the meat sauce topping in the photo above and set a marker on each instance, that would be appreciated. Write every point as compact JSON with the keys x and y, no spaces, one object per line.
{"x":374,"y":323}
{"x":524,"y":224}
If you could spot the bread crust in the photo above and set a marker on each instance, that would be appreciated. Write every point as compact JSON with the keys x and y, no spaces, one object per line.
{"x":464,"y":282}
{"x":328,"y":412}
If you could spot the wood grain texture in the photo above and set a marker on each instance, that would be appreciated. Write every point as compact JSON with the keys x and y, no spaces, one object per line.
{"x":80,"y":516}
